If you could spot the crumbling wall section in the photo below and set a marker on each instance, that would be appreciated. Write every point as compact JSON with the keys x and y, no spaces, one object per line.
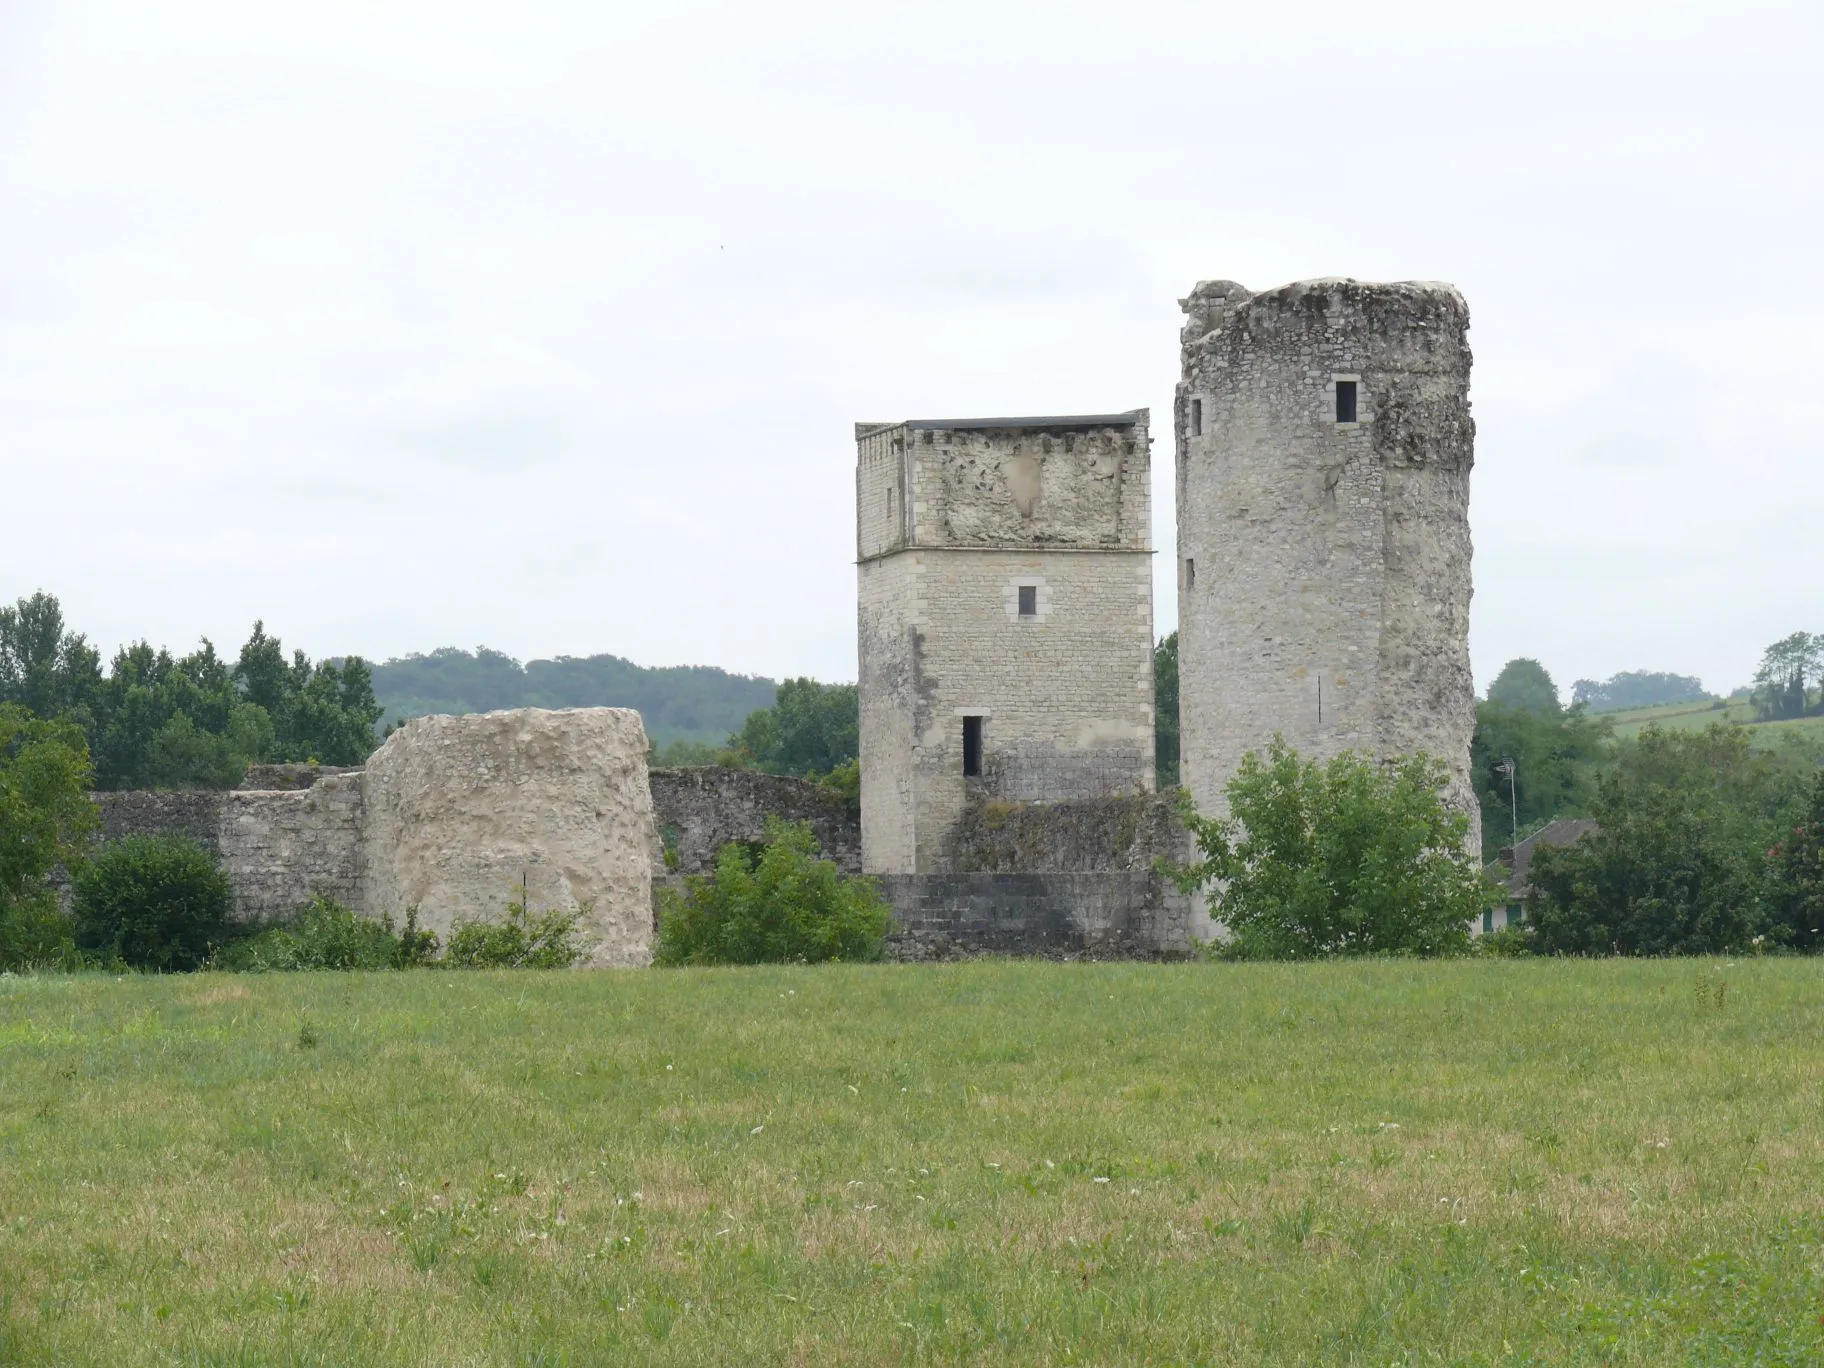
{"x":698,"y":810}
{"x":281,"y":847}
{"x":1131,"y":833}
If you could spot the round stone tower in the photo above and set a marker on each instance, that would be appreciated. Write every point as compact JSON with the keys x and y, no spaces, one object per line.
{"x":1323,"y":458}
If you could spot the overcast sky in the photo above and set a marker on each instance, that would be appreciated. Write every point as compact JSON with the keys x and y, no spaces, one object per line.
{"x":544,"y":325}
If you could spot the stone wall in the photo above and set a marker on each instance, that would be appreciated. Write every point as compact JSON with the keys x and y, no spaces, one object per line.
{"x":192,"y":813}
{"x":279,"y":847}
{"x":1324,"y":564}
{"x":1096,"y":835}
{"x":1068,"y":879}
{"x":954,"y":521}
{"x":1109,"y":915}
{"x":700,"y":809}
{"x":462,"y":813}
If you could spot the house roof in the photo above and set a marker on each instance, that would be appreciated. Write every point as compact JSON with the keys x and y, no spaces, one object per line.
{"x":1511,"y":866}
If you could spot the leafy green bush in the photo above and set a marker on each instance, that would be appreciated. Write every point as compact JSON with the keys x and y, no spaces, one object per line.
{"x":46,"y":820}
{"x":153,"y":902}
{"x":35,"y":934}
{"x":1352,"y":857}
{"x":844,"y":781}
{"x":1507,"y":942}
{"x":524,"y":940}
{"x":779,"y":905}
{"x":327,"y":935}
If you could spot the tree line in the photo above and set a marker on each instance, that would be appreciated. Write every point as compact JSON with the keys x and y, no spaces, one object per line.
{"x":154,"y":720}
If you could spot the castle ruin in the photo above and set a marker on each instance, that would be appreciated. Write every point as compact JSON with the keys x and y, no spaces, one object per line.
{"x":1005,"y":621}
{"x":1005,"y":639}
{"x":1324,"y":445}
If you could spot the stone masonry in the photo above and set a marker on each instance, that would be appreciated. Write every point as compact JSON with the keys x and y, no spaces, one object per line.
{"x":462,"y":813}
{"x":453,"y":816}
{"x":1005,"y":621}
{"x":1324,"y":445}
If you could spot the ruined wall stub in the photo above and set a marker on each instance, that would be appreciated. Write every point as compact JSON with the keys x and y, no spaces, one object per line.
{"x":460,"y":810}
{"x":1004,"y":574}
{"x":1319,"y":549}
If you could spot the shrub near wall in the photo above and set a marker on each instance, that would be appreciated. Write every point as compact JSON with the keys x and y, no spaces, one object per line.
{"x":778,"y":906}
{"x":153,"y":902}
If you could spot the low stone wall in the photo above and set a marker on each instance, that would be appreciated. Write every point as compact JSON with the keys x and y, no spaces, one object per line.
{"x":1118,"y":914}
{"x":1060,"y":880}
{"x":702,"y":808}
{"x":278,"y":847}
{"x":165,"y":812}
{"x":1085,"y":836}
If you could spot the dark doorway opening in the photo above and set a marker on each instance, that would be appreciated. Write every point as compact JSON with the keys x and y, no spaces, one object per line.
{"x":972,"y":747}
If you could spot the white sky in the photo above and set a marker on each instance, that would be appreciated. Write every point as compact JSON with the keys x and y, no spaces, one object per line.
{"x":543,"y":325}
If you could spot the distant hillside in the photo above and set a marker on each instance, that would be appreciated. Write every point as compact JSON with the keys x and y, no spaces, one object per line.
{"x":1695,"y":716}
{"x":697,"y":703}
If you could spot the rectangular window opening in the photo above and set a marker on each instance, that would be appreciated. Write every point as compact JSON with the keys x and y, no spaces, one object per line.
{"x":1190,"y":572}
{"x":1196,"y":417}
{"x":1029,"y":600}
{"x":972,"y":747}
{"x":1345,"y":401}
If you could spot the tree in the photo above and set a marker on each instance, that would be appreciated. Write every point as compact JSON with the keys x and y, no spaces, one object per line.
{"x":1782,"y":683}
{"x":1678,"y":862}
{"x":1796,"y":885}
{"x":1638,"y":689}
{"x":1556,"y":755}
{"x":44,"y":668}
{"x":1351,"y":857}
{"x":46,"y":820}
{"x":324,"y":712}
{"x":1523,"y":684}
{"x":811,"y":728}
{"x":783,"y":905}
{"x":159,"y":721}
{"x":1165,"y":712}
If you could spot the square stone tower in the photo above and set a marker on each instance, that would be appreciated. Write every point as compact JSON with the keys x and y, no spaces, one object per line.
{"x":1006,"y":620}
{"x":1324,"y":445}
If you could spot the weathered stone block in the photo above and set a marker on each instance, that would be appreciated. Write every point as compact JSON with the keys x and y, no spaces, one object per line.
{"x":463,"y":813}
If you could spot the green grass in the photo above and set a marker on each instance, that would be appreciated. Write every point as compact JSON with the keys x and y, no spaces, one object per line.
{"x":1471,"y":1162}
{"x":1696,"y":716}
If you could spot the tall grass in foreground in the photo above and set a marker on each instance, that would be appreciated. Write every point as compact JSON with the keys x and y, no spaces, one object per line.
{"x":994,"y":1163}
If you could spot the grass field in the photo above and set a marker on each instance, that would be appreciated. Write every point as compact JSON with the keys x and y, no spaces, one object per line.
{"x":1474,"y":1162}
{"x":1696,"y":716}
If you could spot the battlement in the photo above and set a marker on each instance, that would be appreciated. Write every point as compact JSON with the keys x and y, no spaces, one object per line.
{"x":1060,"y":481}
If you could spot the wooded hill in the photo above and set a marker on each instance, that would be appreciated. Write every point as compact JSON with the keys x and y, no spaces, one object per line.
{"x":695,"y":703}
